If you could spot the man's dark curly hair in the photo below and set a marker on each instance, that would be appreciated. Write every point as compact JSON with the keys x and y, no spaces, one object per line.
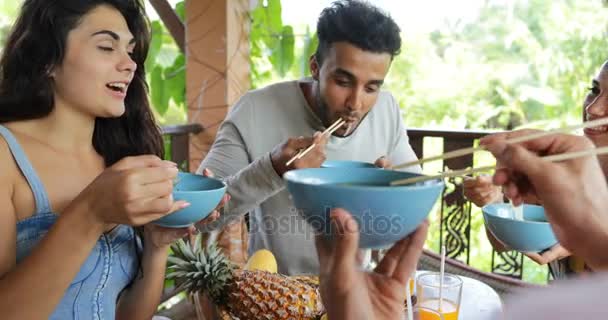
{"x":360,"y":24}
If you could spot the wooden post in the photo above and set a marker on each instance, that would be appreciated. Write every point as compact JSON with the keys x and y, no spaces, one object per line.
{"x":217,"y":73}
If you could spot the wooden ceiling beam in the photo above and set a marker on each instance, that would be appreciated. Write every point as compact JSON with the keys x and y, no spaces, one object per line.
{"x":172,"y":21}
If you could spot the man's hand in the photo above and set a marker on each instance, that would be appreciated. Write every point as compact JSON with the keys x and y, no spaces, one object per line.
{"x":282,"y":153}
{"x":351,"y":293}
{"x":383,"y":162}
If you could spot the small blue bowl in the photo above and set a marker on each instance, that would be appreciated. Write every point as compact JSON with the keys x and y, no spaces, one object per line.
{"x":347,"y":164}
{"x":533,"y":234}
{"x":385,"y":213}
{"x":203,"y":194}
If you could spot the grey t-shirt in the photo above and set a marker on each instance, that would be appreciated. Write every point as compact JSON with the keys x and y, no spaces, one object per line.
{"x":240,"y":155}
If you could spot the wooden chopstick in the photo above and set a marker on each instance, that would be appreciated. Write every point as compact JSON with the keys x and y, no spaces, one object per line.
{"x":335,"y":126}
{"x":329,"y":130}
{"x":456,"y":173}
{"x":465,"y":151}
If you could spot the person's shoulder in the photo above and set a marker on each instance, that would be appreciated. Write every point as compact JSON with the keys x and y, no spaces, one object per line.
{"x":386,"y":107}
{"x":268,"y":96}
{"x":276,"y":92}
{"x":387,"y":99}
{"x":8,"y":167}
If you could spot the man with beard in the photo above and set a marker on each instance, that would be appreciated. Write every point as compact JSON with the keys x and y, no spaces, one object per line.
{"x":267,"y":127}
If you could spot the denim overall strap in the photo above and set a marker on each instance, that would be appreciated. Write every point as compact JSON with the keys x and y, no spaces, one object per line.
{"x":40,"y":196}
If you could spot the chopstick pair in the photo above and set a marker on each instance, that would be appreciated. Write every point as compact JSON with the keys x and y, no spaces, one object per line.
{"x":331,"y":129}
{"x":466,"y":151}
{"x":456,"y":173}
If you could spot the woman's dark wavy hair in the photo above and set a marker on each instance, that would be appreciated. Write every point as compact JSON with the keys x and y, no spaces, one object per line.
{"x":37,"y":44}
{"x":360,"y":24}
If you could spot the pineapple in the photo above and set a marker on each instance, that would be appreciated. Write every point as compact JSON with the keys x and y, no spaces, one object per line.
{"x":244,"y":294}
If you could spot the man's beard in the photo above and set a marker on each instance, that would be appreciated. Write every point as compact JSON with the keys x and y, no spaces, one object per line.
{"x":323,"y":114}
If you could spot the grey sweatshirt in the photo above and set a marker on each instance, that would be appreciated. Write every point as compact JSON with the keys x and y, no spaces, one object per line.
{"x":240,"y":155}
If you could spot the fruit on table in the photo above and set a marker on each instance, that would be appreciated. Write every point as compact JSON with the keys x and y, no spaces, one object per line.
{"x":244,"y":294}
{"x":262,"y":260}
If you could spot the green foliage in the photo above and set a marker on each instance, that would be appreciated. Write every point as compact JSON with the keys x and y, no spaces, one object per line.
{"x":521,"y":63}
{"x":166,"y":74}
{"x":272,"y":43}
{"x":8,"y":11}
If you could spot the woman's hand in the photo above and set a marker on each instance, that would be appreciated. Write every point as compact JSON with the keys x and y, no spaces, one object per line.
{"x":556,"y":252}
{"x":134,"y":191}
{"x":162,"y":237}
{"x":481,"y":191}
{"x":573,"y":192}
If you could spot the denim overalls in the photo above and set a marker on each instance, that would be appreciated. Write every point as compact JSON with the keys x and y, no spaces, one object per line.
{"x":110,"y":267}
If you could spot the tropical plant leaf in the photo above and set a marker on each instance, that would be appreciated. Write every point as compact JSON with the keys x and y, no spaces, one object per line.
{"x":155,"y":44}
{"x":180,"y":9}
{"x":283,"y":56}
{"x":160,"y":98}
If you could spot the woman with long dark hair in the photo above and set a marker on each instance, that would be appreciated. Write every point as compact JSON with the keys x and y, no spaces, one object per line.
{"x":81,"y":165}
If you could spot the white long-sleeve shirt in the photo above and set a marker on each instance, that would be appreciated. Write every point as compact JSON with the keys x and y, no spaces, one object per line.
{"x":240,"y":155}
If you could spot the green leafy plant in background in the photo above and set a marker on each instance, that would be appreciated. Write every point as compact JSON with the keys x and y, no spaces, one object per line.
{"x":166,"y":73}
{"x":517,"y":64}
{"x":8,"y":11}
{"x":275,"y":53}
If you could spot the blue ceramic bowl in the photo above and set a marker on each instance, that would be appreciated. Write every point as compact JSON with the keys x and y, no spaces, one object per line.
{"x":385,"y":213}
{"x":347,"y":164}
{"x":203,"y":194}
{"x":533,"y":234}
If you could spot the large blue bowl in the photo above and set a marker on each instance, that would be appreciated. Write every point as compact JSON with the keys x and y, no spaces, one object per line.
{"x":385,"y":213}
{"x":203,"y":194}
{"x":533,"y":234}
{"x":347,"y":164}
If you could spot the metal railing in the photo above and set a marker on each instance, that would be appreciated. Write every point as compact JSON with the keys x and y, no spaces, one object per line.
{"x":455,"y":212}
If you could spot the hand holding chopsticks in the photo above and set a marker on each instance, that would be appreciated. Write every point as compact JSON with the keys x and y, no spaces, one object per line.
{"x":335,"y":126}
{"x":466,"y":151}
{"x":302,"y":152}
{"x":551,"y":158}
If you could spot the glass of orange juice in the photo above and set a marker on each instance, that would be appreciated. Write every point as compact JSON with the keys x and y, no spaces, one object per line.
{"x":427,"y":292}
{"x":428,"y":314}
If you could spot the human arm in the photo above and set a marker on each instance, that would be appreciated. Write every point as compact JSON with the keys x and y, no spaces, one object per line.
{"x":573,"y":192}
{"x":140,"y":300}
{"x":250,"y":182}
{"x":481,"y":191}
{"x":70,"y":240}
{"x":351,"y":293}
